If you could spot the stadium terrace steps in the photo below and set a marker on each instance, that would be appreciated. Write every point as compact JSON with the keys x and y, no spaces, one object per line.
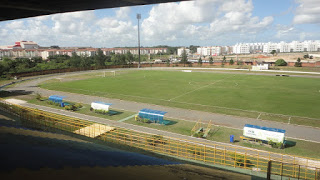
{"x":94,"y":130}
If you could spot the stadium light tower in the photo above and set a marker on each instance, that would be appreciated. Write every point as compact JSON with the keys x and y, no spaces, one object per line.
{"x":139,"y":17}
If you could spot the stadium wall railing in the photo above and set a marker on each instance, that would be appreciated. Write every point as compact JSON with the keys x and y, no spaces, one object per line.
{"x":213,"y":154}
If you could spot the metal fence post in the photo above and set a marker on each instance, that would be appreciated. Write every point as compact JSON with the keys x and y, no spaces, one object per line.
{"x":245,"y":159}
{"x":235,"y":157}
{"x":224,"y":155}
{"x":204,"y":153}
{"x":214,"y":154}
{"x":258,"y":160}
{"x":269,"y":170}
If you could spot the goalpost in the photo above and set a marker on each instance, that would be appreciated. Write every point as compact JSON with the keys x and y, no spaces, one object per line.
{"x":109,"y":73}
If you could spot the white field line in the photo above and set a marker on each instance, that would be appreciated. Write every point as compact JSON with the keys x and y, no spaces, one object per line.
{"x":200,"y":88}
{"x":289,"y":120}
{"x":126,"y":118}
{"x":259,"y":116}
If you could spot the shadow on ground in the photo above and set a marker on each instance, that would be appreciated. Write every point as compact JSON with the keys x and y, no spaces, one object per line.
{"x":5,"y":94}
{"x":113,"y":112}
{"x":290,"y":144}
{"x":168,"y":122}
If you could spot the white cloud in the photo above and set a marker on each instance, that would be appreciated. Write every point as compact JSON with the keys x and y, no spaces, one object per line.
{"x":113,"y":32}
{"x":202,"y":20}
{"x":74,"y":23}
{"x":284,"y":31}
{"x":123,"y":13}
{"x":308,"y":12}
{"x":15,"y":25}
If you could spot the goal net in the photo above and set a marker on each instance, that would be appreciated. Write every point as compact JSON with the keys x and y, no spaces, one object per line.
{"x":108,"y":73}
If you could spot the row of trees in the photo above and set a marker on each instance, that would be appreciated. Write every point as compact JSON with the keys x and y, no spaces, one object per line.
{"x":9,"y":66}
{"x":282,"y":62}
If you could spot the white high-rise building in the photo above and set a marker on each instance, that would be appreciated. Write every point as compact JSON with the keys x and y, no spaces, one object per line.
{"x":296,"y":46}
{"x":241,"y":48}
{"x":180,"y":51}
{"x":283,"y":47}
{"x":269,"y":47}
{"x":209,"y":51}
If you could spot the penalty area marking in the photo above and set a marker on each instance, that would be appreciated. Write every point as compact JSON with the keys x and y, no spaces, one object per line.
{"x":200,"y":88}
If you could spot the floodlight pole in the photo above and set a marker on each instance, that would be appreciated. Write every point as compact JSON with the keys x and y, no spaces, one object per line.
{"x":139,"y":17}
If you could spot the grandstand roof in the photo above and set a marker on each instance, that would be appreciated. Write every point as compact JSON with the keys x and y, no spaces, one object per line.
{"x":29,"y":8}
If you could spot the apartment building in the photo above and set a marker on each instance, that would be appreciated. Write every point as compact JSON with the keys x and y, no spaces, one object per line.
{"x":180,"y":51}
{"x":209,"y":51}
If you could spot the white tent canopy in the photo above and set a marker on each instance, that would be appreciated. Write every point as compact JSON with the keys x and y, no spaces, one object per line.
{"x":98,"y":105}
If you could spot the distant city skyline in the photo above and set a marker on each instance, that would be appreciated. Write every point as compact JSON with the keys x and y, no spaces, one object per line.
{"x":201,"y":22}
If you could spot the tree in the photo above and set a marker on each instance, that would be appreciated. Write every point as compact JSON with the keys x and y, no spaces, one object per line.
{"x":306,"y":56}
{"x":193,"y":48}
{"x":280,"y":62}
{"x":116,"y":59}
{"x":273,"y":52}
{"x":123,"y":59}
{"x":223,"y":60}
{"x":200,"y":61}
{"x":210,"y":60}
{"x":99,"y":58}
{"x":129,"y":57}
{"x":231,"y":61}
{"x":298,"y":63}
{"x":85,"y":62}
{"x":75,"y":60}
{"x":168,"y":62}
{"x":184,"y":57}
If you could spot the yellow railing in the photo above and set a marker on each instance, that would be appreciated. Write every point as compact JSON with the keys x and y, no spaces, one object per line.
{"x":196,"y":127}
{"x":238,"y":157}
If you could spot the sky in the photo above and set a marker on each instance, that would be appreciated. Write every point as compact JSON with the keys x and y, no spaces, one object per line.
{"x":199,"y":22}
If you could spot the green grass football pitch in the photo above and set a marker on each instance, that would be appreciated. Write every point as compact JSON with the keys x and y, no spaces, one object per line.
{"x":233,"y":94}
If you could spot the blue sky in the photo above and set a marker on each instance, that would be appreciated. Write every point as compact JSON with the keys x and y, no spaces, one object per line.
{"x":200,"y":22}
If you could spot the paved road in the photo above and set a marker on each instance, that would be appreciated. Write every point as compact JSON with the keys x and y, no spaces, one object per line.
{"x":293,"y":131}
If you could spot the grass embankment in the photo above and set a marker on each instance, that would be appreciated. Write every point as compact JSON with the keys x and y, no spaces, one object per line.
{"x":231,"y":94}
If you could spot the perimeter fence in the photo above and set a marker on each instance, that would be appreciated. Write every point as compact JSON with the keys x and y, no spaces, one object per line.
{"x":210,"y":153}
